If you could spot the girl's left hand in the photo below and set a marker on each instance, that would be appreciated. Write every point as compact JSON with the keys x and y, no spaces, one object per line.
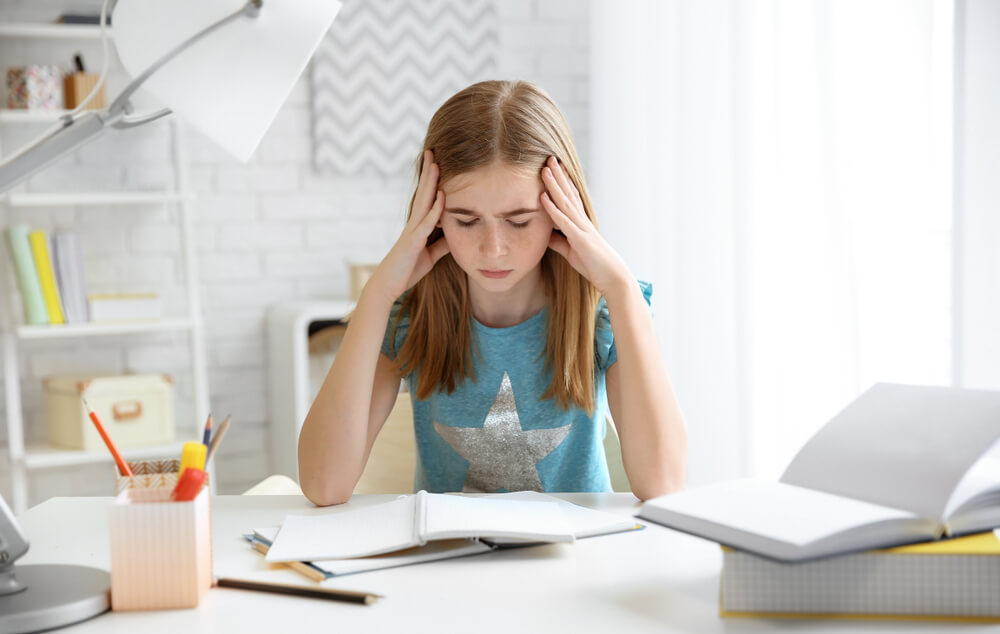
{"x":583,"y":246}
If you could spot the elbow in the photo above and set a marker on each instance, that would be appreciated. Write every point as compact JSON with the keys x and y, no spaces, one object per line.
{"x":325,"y":495}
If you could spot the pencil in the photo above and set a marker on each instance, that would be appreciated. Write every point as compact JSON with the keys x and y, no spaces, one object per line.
{"x":217,"y":438}
{"x":300,"y":567}
{"x":122,"y":465}
{"x":315,"y":592}
{"x":207,"y":436}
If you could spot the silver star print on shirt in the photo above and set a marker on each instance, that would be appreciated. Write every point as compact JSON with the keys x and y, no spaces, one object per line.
{"x":501,"y":455}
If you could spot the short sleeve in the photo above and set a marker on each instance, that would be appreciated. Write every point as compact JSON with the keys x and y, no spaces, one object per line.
{"x":607,"y":354}
{"x":391,"y":345}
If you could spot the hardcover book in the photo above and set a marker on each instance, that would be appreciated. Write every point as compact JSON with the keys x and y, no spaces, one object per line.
{"x":890,"y":469}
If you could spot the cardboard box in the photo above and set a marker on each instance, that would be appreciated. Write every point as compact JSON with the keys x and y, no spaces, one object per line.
{"x":161,"y":551}
{"x":136,"y":410}
{"x":77,"y":86}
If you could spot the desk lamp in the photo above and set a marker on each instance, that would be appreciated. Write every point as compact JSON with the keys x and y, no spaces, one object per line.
{"x":228,"y":80}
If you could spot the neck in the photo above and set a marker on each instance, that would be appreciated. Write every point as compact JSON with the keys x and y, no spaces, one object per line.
{"x":511,"y":307}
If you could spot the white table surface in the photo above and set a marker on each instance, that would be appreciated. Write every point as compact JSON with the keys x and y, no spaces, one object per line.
{"x":652,"y":580}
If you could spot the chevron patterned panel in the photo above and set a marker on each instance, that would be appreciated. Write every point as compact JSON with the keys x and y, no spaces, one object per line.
{"x":382,"y":71}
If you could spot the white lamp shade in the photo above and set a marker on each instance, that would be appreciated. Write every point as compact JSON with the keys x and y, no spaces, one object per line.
{"x":230,"y":84}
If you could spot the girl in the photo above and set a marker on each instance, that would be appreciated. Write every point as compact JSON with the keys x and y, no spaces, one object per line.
{"x":514,"y":323}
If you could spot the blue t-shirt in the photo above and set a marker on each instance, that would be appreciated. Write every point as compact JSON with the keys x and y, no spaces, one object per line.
{"x":496,"y":433}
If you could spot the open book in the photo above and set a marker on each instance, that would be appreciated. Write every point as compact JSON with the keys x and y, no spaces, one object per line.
{"x":901,"y":464}
{"x":428,"y":526}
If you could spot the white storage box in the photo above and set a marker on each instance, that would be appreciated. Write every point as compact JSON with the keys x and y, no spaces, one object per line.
{"x":136,"y":410}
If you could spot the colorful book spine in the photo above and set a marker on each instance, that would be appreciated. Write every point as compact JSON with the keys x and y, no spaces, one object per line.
{"x":50,"y":292}
{"x":68,"y":264}
{"x":35,"y":313}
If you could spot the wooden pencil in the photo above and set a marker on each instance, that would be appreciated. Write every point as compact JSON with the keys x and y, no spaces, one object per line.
{"x":315,"y":592}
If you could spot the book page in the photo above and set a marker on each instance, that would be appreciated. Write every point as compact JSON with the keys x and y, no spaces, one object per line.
{"x":583,"y":521}
{"x":346,"y":532}
{"x":901,"y":446}
{"x":449,"y":516}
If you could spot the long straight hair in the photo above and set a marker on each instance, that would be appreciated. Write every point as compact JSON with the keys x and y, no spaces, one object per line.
{"x":516,"y":123}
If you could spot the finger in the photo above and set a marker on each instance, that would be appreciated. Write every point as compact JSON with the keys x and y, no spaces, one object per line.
{"x":433,"y":214}
{"x":558,"y":196}
{"x":571,"y":202}
{"x":560,"y":219}
{"x":562,"y":177}
{"x":426,"y":188}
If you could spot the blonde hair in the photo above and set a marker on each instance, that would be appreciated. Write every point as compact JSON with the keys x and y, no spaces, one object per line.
{"x":516,"y":123}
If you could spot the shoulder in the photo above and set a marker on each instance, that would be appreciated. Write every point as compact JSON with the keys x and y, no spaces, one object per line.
{"x":396,"y":328}
{"x":604,"y":337}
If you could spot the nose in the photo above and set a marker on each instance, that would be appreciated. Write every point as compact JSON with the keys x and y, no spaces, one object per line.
{"x":494,"y":243}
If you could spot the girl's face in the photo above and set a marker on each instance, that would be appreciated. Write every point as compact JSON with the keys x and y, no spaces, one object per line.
{"x":495,"y":226}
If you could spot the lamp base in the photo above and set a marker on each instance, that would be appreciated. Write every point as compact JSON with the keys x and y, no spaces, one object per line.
{"x":56,"y":595}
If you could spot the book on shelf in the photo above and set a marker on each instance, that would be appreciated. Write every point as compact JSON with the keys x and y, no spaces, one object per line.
{"x":428,"y":527}
{"x":68,"y":264}
{"x":19,"y":247}
{"x":952,"y":579}
{"x":39,"y":241}
{"x":124,"y":306}
{"x":894,"y":467}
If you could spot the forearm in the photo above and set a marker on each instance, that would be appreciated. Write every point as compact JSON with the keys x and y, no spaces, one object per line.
{"x":334,"y":438}
{"x":648,"y":418}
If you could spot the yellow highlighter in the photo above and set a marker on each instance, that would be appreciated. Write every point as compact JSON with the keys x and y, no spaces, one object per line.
{"x":193,"y":455}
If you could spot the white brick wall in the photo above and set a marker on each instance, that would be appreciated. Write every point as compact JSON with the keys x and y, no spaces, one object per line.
{"x":267,"y":232}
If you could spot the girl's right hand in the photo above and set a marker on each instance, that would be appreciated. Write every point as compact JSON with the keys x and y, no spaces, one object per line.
{"x":411,"y":258}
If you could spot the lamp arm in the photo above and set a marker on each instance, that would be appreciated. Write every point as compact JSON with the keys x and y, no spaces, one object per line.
{"x":120,"y":104}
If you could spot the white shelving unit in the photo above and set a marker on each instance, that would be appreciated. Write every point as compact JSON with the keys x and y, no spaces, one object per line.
{"x":23,"y":458}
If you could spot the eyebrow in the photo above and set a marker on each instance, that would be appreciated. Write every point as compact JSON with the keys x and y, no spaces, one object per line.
{"x":506,"y":214}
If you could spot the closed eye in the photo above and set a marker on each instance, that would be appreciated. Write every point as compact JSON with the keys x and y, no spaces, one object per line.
{"x":519,"y":225}
{"x":462,"y":223}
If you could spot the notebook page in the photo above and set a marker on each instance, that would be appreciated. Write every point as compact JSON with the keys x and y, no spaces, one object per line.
{"x":902,"y":446}
{"x":583,"y":521}
{"x":346,"y":533}
{"x":457,"y":516}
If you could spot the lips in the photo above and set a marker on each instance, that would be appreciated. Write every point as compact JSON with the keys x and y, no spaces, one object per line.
{"x":496,"y":275}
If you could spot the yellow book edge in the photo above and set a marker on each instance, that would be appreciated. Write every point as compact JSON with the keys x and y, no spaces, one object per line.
{"x":46,"y":278}
{"x":978,"y":544}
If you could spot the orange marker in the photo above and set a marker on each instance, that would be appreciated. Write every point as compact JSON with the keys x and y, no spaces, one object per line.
{"x":122,"y":465}
{"x":188,"y":486}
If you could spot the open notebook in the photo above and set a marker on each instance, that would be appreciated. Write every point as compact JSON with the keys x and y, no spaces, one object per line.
{"x":428,"y":527}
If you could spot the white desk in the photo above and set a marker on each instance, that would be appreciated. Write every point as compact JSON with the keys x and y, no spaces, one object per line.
{"x":653,"y":580}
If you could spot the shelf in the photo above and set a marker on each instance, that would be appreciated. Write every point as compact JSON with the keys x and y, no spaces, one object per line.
{"x":46,"y":456}
{"x":76,"y":199}
{"x":53,"y":31}
{"x":13,"y":115}
{"x":99,"y":329}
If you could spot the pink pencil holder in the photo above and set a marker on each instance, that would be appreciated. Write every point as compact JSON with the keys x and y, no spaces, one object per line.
{"x":161,"y":551}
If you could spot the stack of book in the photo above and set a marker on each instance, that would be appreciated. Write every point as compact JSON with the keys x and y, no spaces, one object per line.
{"x":868,"y":519}
{"x":50,"y":276}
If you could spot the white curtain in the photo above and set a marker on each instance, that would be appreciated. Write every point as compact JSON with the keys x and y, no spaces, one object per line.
{"x":781,"y":171}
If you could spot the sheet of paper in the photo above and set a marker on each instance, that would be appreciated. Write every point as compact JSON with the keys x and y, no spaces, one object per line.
{"x":346,"y":533}
{"x":903,"y":446}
